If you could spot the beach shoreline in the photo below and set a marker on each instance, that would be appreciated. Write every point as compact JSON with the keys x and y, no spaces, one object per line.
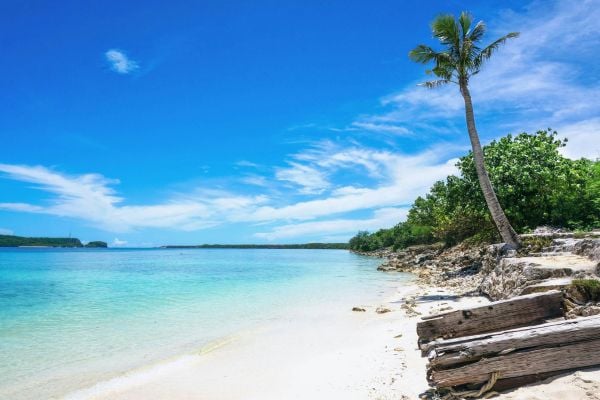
{"x":331,"y":353}
{"x":317,"y":352}
{"x":323,"y":352}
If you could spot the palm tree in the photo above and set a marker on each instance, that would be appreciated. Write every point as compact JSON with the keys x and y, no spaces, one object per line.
{"x":457,"y":63}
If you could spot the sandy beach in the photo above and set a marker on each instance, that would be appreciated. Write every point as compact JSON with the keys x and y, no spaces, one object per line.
{"x":328,"y":352}
{"x":325,"y":353}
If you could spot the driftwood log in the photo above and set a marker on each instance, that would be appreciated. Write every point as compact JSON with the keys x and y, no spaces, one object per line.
{"x":453,"y":352}
{"x":516,"y":312}
{"x":516,"y":357}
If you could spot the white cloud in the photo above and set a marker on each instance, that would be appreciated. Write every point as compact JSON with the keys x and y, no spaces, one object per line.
{"x":583,"y":139}
{"x":118,"y":242}
{"x":245,"y":163}
{"x":309,"y":179}
{"x":89,"y":197}
{"x":4,"y":231}
{"x":382,"y":218}
{"x":120,"y":62}
{"x":392,"y":180}
{"x":255,"y":180}
{"x":401,"y":179}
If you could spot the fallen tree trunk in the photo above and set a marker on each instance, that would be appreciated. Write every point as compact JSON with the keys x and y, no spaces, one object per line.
{"x":448,"y":353}
{"x":518,"y":311}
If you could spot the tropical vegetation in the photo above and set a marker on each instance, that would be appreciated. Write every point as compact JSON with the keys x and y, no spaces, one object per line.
{"x":461,"y":59}
{"x":538,"y":185}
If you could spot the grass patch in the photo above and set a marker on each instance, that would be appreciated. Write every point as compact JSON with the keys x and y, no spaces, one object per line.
{"x":535,"y":244}
{"x":590,"y":287}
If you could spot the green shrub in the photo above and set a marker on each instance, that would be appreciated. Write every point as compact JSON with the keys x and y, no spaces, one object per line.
{"x":590,"y":287}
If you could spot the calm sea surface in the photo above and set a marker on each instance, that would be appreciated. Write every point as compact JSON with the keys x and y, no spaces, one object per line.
{"x":69,"y":318}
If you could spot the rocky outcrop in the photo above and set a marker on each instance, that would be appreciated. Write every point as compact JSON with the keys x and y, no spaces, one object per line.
{"x":589,"y":248}
{"x":513,"y":275}
{"x":459,"y":267}
{"x":548,"y":262}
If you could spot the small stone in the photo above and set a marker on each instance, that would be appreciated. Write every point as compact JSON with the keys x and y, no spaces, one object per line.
{"x":382,"y":310}
{"x":398,"y":336}
{"x":590,"y":310}
{"x":358,"y":309}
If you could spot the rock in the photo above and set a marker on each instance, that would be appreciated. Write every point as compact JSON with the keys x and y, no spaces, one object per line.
{"x":589,"y":248}
{"x":575,"y":294}
{"x":547,"y":230}
{"x":590,"y":310}
{"x":358,"y":309}
{"x":382,"y":310}
{"x":513,"y":275}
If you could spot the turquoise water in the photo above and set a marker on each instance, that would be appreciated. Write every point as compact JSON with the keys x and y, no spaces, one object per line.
{"x":70,"y":318}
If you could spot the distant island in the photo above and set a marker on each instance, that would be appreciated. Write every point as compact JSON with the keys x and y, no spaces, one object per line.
{"x":326,"y":246}
{"x":20,"y":241}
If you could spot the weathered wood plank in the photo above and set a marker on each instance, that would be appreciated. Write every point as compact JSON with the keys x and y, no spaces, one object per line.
{"x":444,"y":355}
{"x":466,"y":339}
{"x":511,"y":383}
{"x":521,"y":363}
{"x":515,"y":312}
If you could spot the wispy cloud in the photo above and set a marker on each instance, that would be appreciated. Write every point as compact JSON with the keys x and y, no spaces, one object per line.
{"x":4,"y":231}
{"x":120,"y":62}
{"x":91,"y":198}
{"x":382,"y":217}
{"x":255,"y":180}
{"x":403,"y":177}
{"x":118,"y":242}
{"x":245,"y":163}
{"x":308,"y":179}
{"x":584,"y":139}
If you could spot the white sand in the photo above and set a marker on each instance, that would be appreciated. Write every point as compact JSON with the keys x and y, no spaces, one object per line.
{"x":326,"y":353}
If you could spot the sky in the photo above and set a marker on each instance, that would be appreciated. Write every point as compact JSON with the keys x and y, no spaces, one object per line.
{"x":152,"y":123}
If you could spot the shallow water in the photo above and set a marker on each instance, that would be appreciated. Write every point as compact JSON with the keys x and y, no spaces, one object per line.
{"x":70,"y":318}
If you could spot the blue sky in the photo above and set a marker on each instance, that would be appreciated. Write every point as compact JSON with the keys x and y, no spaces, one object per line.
{"x":141,"y":123}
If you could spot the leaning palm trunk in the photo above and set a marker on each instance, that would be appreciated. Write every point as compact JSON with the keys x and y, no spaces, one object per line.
{"x":460,"y":60}
{"x":504,"y":227}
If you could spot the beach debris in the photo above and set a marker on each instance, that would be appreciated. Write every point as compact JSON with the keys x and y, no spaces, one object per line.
{"x":358,"y":309}
{"x":504,"y":314}
{"x":382,"y":310}
{"x":517,"y":356}
{"x":398,"y":336}
{"x":506,"y":344}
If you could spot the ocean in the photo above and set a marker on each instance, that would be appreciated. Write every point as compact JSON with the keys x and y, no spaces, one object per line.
{"x":70,"y":318}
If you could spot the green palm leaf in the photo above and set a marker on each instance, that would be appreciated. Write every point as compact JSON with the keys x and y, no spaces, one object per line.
{"x":462,"y":55}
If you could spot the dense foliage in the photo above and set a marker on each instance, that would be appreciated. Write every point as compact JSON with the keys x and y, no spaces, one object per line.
{"x":534,"y":182}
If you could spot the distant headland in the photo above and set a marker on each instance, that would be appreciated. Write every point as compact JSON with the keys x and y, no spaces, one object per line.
{"x":20,"y":241}
{"x":325,"y":246}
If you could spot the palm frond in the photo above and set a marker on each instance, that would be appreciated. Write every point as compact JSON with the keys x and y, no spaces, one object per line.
{"x":465,"y":20}
{"x":445,"y":29}
{"x":477,"y":32}
{"x":443,"y":70}
{"x":422,"y":54}
{"x":487,"y":52}
{"x":435,"y":84}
